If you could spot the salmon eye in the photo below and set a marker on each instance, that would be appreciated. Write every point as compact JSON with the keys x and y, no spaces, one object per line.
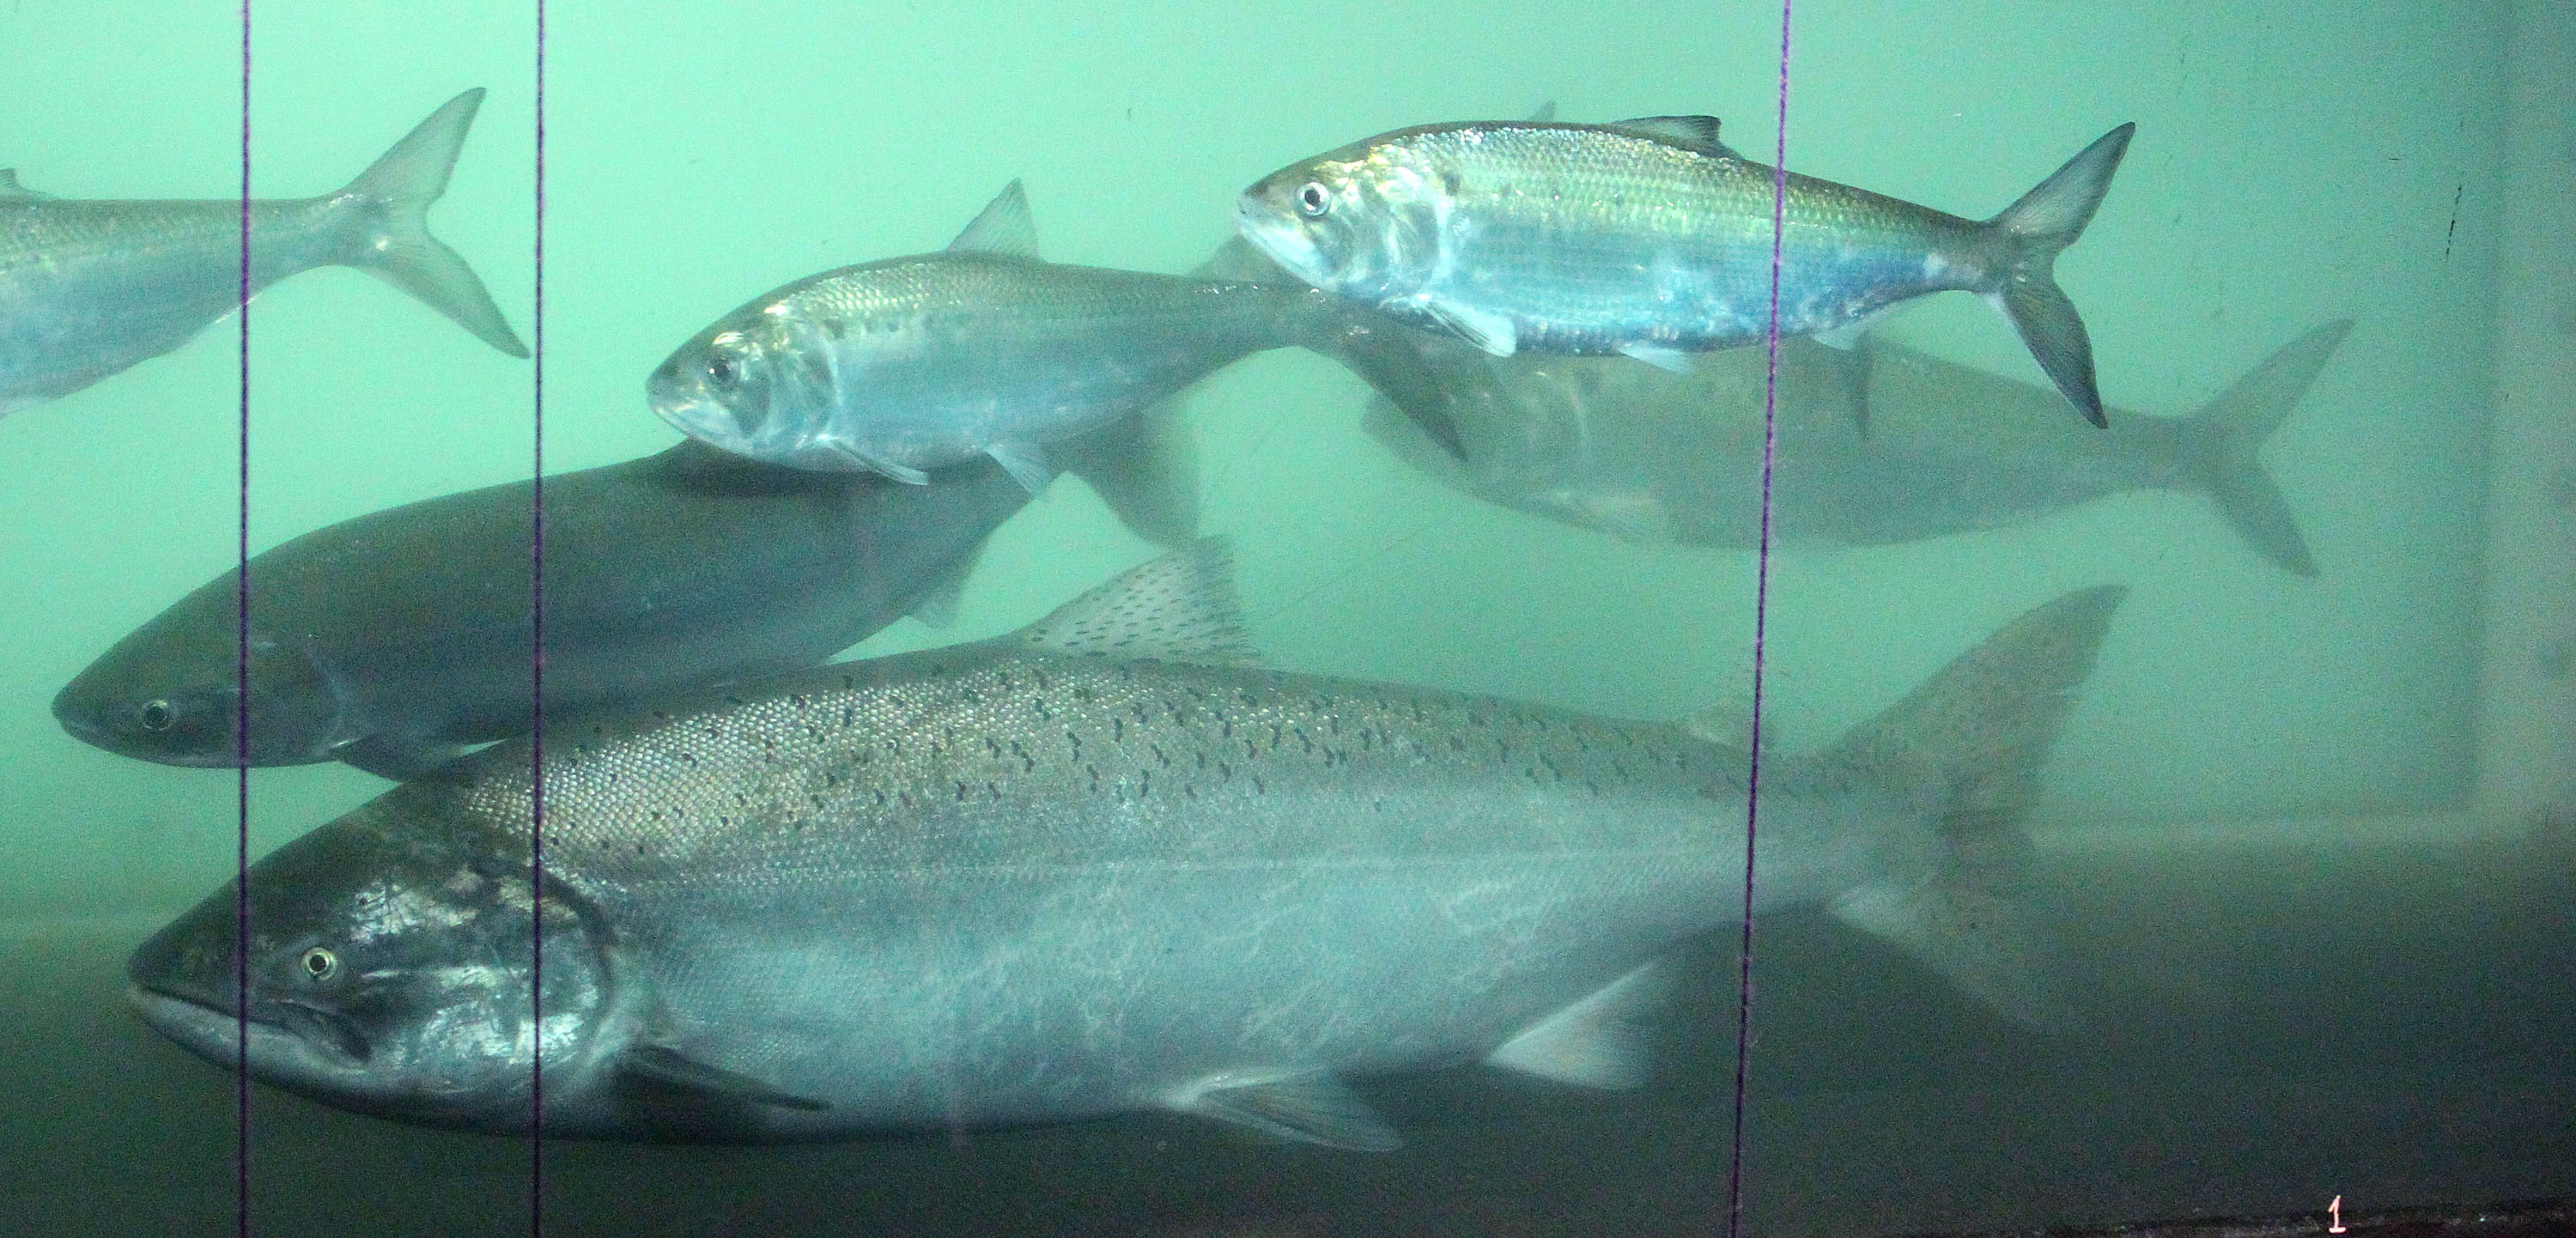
{"x":721,"y":369}
{"x":155,"y":715}
{"x":319,"y":964}
{"x":1313,"y":201}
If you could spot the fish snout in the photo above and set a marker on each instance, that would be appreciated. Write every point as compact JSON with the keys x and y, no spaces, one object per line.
{"x":717,"y":399}
{"x":127,"y":723}
{"x":79,"y":715}
{"x":1285,"y":240}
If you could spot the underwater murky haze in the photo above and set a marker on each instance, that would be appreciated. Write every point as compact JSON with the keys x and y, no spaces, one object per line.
{"x":2270,"y":190}
{"x":2292,"y":165}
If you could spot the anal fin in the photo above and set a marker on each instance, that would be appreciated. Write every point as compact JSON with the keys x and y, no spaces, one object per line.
{"x":1300,"y":1107}
{"x":1592,"y":1043}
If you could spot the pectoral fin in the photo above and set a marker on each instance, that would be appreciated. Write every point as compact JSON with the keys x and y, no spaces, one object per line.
{"x":1483,"y":328}
{"x":1025,"y":462}
{"x":1669,"y":360}
{"x":1301,"y":1107}
{"x":389,"y":757}
{"x":861,"y":462}
{"x":938,"y":604}
{"x":668,"y":1068}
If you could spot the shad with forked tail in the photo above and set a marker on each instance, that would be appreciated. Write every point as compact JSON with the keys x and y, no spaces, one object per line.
{"x":1102,"y":865}
{"x":1651,"y":238}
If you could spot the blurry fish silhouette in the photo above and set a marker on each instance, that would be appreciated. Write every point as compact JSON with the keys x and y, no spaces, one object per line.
{"x":1878,"y":443}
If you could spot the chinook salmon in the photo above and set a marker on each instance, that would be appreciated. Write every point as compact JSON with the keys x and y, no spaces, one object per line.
{"x":88,"y":288}
{"x":1099,"y":866}
{"x":1651,"y":238}
{"x":982,"y":349}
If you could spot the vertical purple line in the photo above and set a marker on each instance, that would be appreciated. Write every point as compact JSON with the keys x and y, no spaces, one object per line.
{"x":537,"y":678}
{"x":1761,"y":617}
{"x":241,"y":700}
{"x":537,"y":675}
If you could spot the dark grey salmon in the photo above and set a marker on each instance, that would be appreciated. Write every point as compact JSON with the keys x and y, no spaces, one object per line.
{"x":394,"y":639}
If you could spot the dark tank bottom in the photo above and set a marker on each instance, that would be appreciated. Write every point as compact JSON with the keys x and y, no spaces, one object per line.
{"x":2383,"y":1026}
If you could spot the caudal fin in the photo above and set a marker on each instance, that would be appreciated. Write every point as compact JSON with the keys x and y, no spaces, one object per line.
{"x":2035,"y":230}
{"x":1966,"y":746}
{"x":2221,"y":444}
{"x":388,"y":206}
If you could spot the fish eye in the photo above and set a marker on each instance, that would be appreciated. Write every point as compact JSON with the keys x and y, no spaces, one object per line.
{"x":319,"y":964}
{"x":721,"y":368}
{"x":1312,"y":201}
{"x":156,"y":715}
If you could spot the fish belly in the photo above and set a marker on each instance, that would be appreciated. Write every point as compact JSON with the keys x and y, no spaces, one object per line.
{"x":86,"y":296}
{"x":999,"y":993}
{"x":1686,"y":262}
{"x":929,"y":402}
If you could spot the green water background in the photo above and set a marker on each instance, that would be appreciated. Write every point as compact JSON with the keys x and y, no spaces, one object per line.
{"x":2299,"y":1021}
{"x":2292,"y":165}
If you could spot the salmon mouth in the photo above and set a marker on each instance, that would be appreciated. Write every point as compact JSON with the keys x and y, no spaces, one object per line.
{"x":287,"y":1039}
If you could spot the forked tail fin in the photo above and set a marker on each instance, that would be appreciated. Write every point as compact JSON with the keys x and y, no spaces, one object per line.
{"x":387,"y":208}
{"x":2221,"y":443}
{"x":1967,"y":746}
{"x":2035,"y":230}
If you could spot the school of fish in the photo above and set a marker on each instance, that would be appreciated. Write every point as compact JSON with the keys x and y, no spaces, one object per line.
{"x":1109,"y":863}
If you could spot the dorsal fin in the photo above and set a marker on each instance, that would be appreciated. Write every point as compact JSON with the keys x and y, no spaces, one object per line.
{"x":1697,"y":133}
{"x":10,"y":188}
{"x":1178,"y":608}
{"x":1545,"y":115}
{"x":1004,"y":227}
